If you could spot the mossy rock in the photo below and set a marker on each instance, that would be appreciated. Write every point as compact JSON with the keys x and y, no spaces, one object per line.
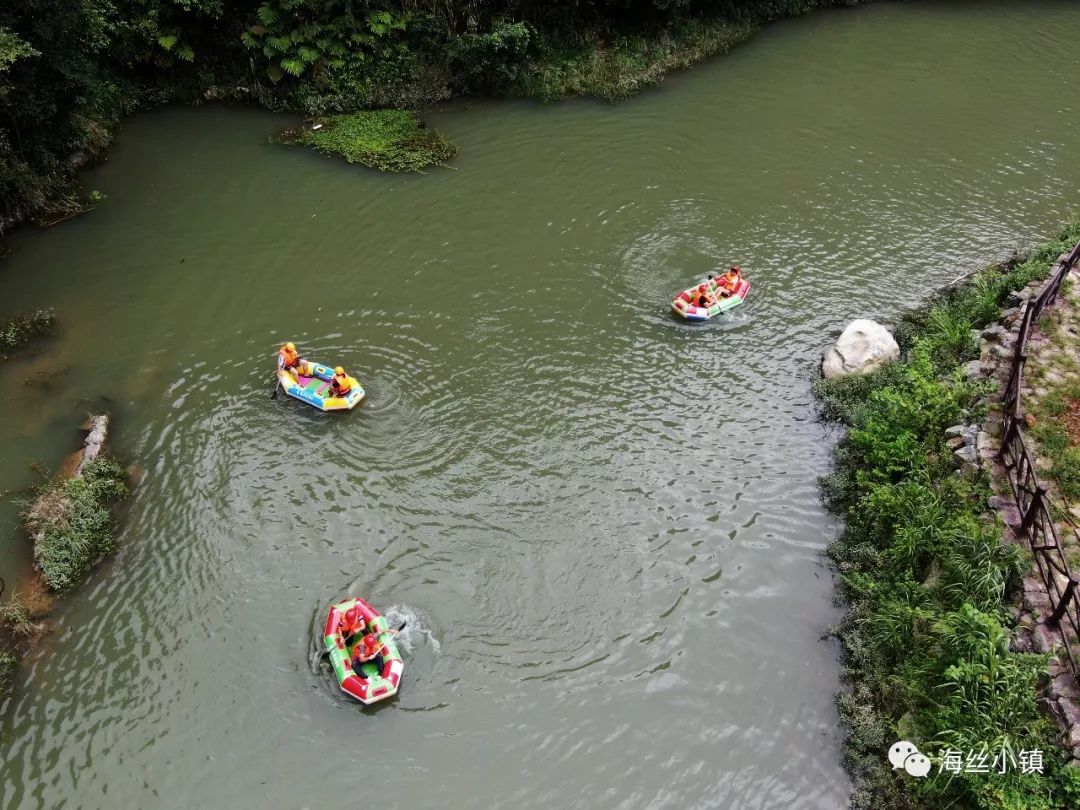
{"x":388,"y":140}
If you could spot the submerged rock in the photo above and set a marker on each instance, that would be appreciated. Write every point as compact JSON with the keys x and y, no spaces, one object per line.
{"x":864,"y":346}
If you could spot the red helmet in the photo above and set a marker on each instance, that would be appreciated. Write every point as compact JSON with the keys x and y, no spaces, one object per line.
{"x":370,"y":641}
{"x":701,"y":288}
{"x":351,"y":615}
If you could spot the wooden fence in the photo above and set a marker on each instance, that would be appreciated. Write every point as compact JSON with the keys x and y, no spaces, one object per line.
{"x":1037,"y":525}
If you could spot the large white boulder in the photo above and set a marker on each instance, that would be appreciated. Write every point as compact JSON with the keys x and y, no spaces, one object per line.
{"x":863,"y":347}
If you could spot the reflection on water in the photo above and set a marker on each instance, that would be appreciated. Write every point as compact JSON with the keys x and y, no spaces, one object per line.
{"x":601,"y":524}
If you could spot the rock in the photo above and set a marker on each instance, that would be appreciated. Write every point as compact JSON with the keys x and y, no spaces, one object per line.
{"x":1010,"y":313}
{"x":999,"y":351}
{"x":955,"y":443}
{"x":965,"y":455}
{"x":1072,"y":716}
{"x":993,"y":332}
{"x":1064,"y":686}
{"x":1045,"y":640}
{"x":955,"y":430}
{"x":864,"y":346}
{"x":974,"y":369}
{"x":94,"y":445}
{"x":1020,"y":296}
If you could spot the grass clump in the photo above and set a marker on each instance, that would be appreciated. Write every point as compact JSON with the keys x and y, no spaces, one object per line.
{"x":19,"y":330}
{"x":17,"y":630}
{"x":71,"y":523}
{"x":8,"y":662}
{"x":923,"y":570}
{"x":388,"y":140}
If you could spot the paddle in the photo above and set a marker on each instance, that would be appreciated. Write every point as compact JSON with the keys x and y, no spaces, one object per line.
{"x":277,"y":385}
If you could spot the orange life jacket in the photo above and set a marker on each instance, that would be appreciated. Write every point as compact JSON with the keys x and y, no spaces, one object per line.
{"x":730,"y":280}
{"x":340,"y":384}
{"x":348,"y":628}
{"x":288,"y":358}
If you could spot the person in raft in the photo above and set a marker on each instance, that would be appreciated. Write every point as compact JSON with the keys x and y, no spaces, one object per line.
{"x":352,"y":623}
{"x":730,"y":280}
{"x":704,"y":300}
{"x":290,"y":360}
{"x":370,"y":649}
{"x":340,"y":385}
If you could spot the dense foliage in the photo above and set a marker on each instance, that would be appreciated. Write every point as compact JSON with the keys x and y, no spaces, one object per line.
{"x":926,"y":638}
{"x":71,"y":523}
{"x":69,"y":69}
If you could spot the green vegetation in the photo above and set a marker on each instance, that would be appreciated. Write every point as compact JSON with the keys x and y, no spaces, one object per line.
{"x":21,"y":329}
{"x":390,"y":140}
{"x":71,"y":524}
{"x":926,"y":637}
{"x":613,"y":71}
{"x":70,"y":69}
{"x":16,"y":630}
{"x":1053,"y":371}
{"x":1057,"y":430}
{"x":8,"y":662}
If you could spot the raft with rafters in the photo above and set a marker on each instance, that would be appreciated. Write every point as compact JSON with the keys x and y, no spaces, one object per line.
{"x":313,"y":387}
{"x":684,"y":303}
{"x":368,"y":684}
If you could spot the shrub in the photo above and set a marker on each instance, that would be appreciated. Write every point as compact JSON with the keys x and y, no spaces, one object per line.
{"x":15,"y":618}
{"x":21,"y":329}
{"x":71,"y":523}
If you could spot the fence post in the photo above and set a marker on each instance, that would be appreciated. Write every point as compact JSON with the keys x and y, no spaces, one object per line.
{"x":1063,"y":605}
{"x":1010,"y":434}
{"x":1033,"y":508}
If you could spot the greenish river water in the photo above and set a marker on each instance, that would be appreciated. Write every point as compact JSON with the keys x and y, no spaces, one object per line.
{"x":602,"y":524}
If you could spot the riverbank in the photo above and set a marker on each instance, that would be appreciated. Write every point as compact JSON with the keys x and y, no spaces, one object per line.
{"x":61,"y":99}
{"x":925,"y":575}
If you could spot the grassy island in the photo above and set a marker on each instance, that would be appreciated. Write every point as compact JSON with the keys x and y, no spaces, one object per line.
{"x":388,"y":140}
{"x":71,"y":523}
{"x":925,"y":574}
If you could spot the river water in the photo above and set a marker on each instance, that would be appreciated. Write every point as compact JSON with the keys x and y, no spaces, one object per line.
{"x":602,"y":524}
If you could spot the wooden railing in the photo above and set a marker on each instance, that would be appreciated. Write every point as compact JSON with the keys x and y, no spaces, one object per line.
{"x":1037,"y":526}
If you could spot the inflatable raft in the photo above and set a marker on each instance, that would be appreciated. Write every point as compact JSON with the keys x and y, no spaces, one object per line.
{"x":315,"y":390}
{"x":684,"y":305}
{"x":369,"y":684}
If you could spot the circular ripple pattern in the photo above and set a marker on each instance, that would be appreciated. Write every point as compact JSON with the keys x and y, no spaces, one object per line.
{"x":601,"y":524}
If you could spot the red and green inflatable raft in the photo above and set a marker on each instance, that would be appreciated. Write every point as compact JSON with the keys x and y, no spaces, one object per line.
{"x":368,"y":684}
